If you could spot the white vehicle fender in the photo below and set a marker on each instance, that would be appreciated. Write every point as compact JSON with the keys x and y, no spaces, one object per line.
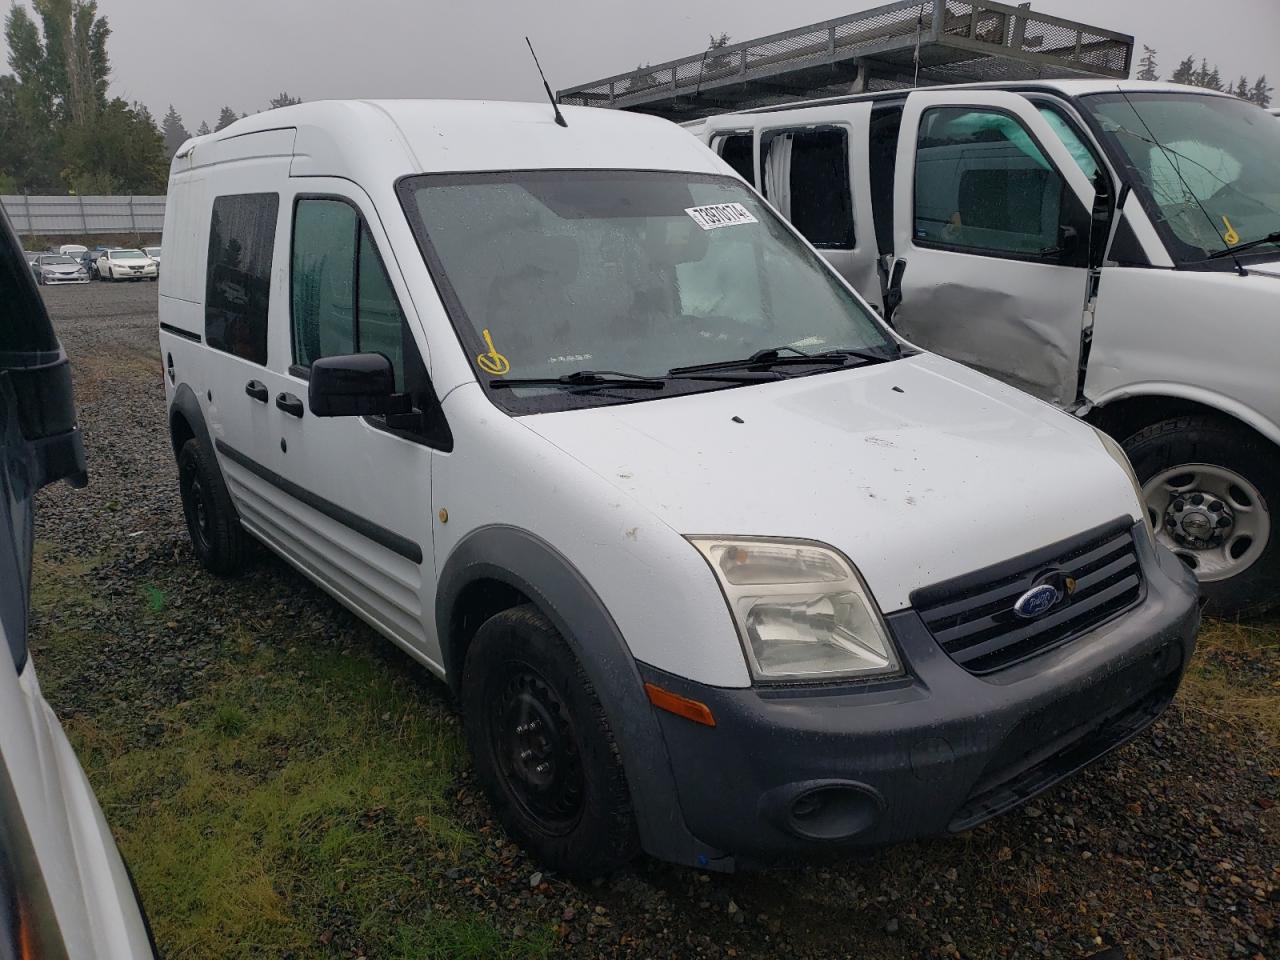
{"x":1199,"y":395}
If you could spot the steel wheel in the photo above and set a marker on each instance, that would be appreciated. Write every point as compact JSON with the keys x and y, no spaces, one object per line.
{"x":1214,"y":519}
{"x":537,"y":750}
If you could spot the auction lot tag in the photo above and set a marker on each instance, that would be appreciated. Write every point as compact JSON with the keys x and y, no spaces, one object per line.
{"x":718,"y":215}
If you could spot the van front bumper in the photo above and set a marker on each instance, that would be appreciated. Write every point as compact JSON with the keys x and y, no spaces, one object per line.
{"x":790,"y":770}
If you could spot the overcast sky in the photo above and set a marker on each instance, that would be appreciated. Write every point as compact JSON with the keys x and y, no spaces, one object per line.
{"x":200,"y":54}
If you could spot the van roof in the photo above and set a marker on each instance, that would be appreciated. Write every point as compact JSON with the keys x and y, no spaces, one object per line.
{"x":1069,"y":88}
{"x":392,"y":138}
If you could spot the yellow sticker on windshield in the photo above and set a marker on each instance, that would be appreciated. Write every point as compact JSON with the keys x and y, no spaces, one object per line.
{"x":1230,"y":236}
{"x":492,"y":362}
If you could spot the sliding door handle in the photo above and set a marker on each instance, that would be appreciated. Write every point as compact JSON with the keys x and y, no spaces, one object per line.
{"x":289,"y":404}
{"x":256,"y":389}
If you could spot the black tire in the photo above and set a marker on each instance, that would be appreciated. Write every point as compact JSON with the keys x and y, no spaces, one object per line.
{"x":575,"y":817}
{"x":1216,"y":441}
{"x":216,"y":535}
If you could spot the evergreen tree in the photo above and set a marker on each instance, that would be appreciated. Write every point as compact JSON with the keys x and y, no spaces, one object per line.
{"x":58,"y":130}
{"x":203,"y":130}
{"x":284,"y":100}
{"x":712,"y":63}
{"x":1261,"y":93}
{"x":1147,"y":65}
{"x":175,"y":134}
{"x":1185,"y":72}
{"x":1213,"y":79}
{"x":226,"y":117}
{"x":1242,"y":88}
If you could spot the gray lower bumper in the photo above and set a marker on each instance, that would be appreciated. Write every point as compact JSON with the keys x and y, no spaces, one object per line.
{"x":796,"y":769}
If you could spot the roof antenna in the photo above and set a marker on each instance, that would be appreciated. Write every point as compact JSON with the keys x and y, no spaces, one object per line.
{"x":546,"y":86}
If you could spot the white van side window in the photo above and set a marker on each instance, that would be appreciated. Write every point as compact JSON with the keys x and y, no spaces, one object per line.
{"x":341,"y":298}
{"x":805,"y":175}
{"x":242,"y":236}
{"x":1079,"y":150}
{"x":983,"y":185}
{"x":735,"y":149}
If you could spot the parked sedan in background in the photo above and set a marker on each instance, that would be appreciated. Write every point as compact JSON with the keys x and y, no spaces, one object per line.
{"x":153,"y":253}
{"x":58,"y":268}
{"x":127,"y":265}
{"x":64,"y":889}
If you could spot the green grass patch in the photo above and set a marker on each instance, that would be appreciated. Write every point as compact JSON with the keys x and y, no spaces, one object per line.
{"x":299,"y":800}
{"x":291,"y":808}
{"x":1232,"y":677}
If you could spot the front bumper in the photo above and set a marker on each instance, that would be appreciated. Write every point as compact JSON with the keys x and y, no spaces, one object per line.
{"x":50,"y":280}
{"x":805,"y":769}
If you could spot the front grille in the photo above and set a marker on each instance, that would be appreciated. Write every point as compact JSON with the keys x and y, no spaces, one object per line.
{"x":972,"y":617}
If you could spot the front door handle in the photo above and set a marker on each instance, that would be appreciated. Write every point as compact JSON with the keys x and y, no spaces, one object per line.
{"x":289,"y":404}
{"x":256,"y":389}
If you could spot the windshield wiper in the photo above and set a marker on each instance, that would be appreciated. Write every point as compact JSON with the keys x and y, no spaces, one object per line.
{"x":763,"y":360}
{"x":583,"y":379}
{"x":1273,"y":237}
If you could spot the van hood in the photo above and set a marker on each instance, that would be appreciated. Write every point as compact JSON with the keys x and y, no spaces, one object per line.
{"x":918,"y":470}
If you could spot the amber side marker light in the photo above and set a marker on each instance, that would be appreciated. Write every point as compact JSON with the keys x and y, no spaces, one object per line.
{"x":680,"y":706}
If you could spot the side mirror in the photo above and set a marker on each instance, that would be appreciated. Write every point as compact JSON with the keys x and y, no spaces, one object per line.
{"x":355,"y":385}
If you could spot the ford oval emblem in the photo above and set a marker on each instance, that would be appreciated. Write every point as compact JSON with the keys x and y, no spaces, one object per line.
{"x":1037,"y":601}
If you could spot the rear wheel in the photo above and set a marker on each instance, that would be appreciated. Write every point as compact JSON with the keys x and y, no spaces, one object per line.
{"x":1210,"y":487}
{"x":542,"y":746}
{"x":217,"y":538}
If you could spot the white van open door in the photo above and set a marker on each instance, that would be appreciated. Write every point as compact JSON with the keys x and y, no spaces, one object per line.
{"x":991,"y":233}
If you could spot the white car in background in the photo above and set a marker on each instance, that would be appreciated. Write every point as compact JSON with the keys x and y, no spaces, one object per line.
{"x":127,"y":264}
{"x":72,"y":249}
{"x":152,"y":252}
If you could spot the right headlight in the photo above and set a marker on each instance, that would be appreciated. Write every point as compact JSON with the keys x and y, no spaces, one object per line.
{"x":802,"y":611}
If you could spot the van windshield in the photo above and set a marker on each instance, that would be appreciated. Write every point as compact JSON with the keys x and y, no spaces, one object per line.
{"x":546,"y":273}
{"x":1206,"y":166}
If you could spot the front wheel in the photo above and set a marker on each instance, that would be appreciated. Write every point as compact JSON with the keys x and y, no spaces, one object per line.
{"x":542,"y":746}
{"x":217,"y":538}
{"x":1209,"y":486}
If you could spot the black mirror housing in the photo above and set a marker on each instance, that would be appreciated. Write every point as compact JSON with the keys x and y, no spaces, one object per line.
{"x":355,"y":385}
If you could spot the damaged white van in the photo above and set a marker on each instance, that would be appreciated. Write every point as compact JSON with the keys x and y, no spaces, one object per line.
{"x":718,"y":566}
{"x":1113,"y":248}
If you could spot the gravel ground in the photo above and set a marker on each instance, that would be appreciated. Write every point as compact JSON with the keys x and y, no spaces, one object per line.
{"x":1168,"y":848}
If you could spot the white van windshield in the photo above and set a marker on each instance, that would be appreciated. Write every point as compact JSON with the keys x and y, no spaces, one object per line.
{"x":1206,"y":166}
{"x":548,"y":273}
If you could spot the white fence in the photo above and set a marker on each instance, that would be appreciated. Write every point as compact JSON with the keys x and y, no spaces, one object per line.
{"x":73,"y":216}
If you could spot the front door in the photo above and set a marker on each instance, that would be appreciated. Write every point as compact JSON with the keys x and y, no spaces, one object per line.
{"x":991,"y":228}
{"x":356,"y":496}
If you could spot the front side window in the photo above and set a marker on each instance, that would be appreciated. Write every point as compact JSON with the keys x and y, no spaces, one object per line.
{"x":342,"y":299}
{"x":983,"y":185}
{"x":242,"y":236}
{"x":1204,"y":166}
{"x":1079,"y":150}
{"x":805,"y":175}
{"x":550,"y":272}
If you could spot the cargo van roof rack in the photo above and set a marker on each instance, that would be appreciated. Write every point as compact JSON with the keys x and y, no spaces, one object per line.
{"x":902,"y":44}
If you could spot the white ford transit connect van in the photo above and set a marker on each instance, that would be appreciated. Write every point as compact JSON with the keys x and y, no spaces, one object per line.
{"x":1111,"y":247}
{"x":717,"y":565}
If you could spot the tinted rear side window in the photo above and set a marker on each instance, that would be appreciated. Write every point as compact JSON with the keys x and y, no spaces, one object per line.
{"x":735,"y":150}
{"x":242,"y":236}
{"x":805,"y":175}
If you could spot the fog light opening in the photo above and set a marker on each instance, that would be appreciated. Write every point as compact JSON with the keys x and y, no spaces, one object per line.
{"x":833,"y":812}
